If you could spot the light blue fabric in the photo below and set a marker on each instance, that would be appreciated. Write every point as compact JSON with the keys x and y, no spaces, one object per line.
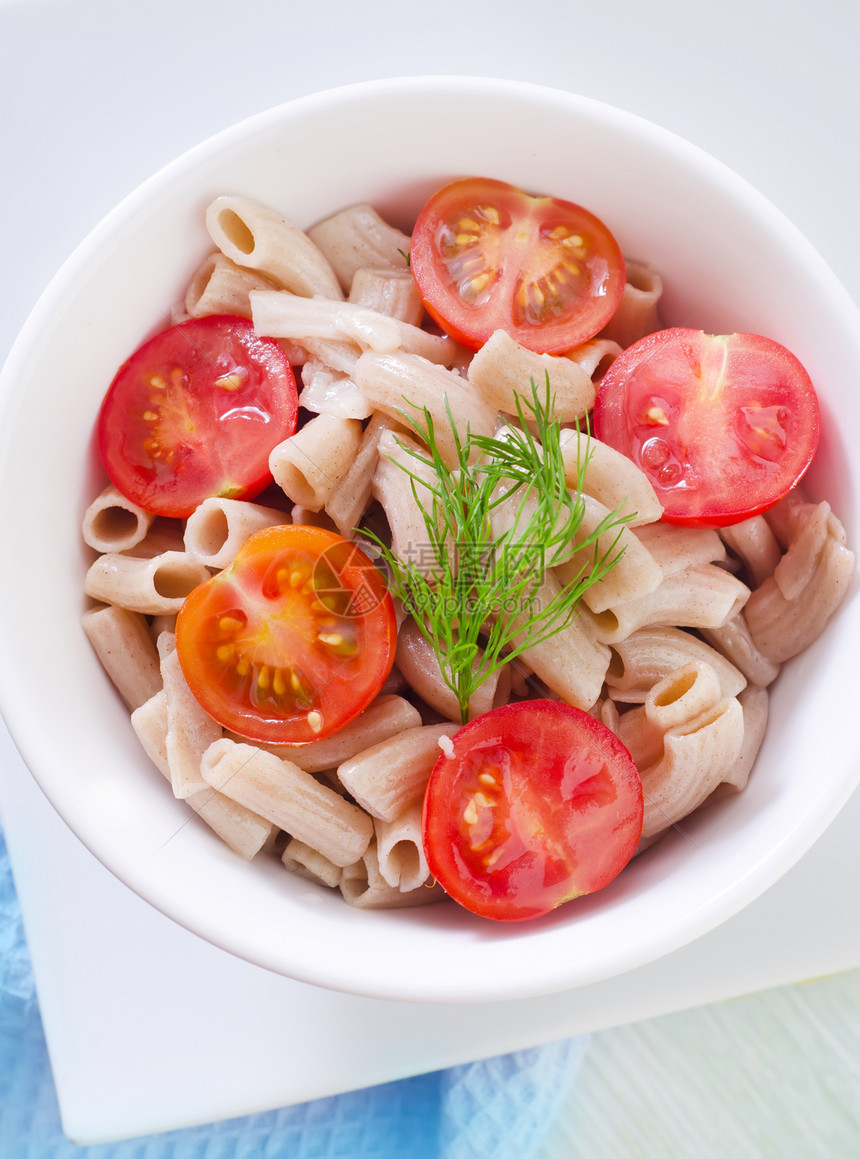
{"x":498,"y":1109}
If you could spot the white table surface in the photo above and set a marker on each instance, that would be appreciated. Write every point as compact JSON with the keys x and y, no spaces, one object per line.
{"x":95,"y":95}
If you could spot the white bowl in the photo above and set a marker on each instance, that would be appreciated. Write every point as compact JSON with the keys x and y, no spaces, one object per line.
{"x":730,"y":262}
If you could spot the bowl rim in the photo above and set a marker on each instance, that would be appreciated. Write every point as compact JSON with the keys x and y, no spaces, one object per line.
{"x":24,"y":727}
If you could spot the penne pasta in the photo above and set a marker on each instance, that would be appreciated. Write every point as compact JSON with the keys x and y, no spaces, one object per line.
{"x":418,"y":663}
{"x":348,"y":503}
{"x":390,"y":292}
{"x":388,"y":777}
{"x":702,"y":741}
{"x":782,"y":625}
{"x":114,"y":523}
{"x":290,"y":798}
{"x":594,"y":356}
{"x":163,"y":535}
{"x":502,"y":370}
{"x":358,"y":237}
{"x":243,"y":831}
{"x":734,"y":641}
{"x":219,"y":527}
{"x":364,"y":887}
{"x":638,"y":311}
{"x":677,"y":548}
{"x":699,"y":597}
{"x":400,"y":850}
{"x":259,"y":238}
{"x":753,"y":542}
{"x":609,"y":477}
{"x":636,"y":573}
{"x":327,"y":391}
{"x":386,"y":717}
{"x":150,"y":586}
{"x":277,"y":314}
{"x":402,"y":496}
{"x":149,"y":721}
{"x":307,"y":862}
{"x":190,"y":730}
{"x":755,"y":703}
{"x":309,"y":466}
{"x":389,"y":380}
{"x":121,"y":641}
{"x":219,"y":286}
{"x":572,"y":662}
{"x":651,"y":654}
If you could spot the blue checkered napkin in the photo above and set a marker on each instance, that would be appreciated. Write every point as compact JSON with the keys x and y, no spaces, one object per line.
{"x":498,"y":1109}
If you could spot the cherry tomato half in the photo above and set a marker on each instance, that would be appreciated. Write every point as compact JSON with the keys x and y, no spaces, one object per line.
{"x":487,"y":257}
{"x":290,"y":642}
{"x":194,"y":413}
{"x":538,"y":803}
{"x":723,"y":425}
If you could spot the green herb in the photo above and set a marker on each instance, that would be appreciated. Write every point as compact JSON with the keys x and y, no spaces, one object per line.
{"x":480,"y":603}
{"x":407,"y":257}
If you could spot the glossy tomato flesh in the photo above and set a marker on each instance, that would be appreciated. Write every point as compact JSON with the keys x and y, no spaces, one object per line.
{"x":487,"y":257}
{"x":723,"y":425}
{"x":292,"y":641}
{"x":194,"y":413}
{"x":537,"y":804}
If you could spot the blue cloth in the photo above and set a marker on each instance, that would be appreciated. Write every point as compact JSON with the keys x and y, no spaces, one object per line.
{"x":497,"y":1109}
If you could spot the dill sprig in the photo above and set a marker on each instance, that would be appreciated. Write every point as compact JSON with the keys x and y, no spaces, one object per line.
{"x":483,"y":601}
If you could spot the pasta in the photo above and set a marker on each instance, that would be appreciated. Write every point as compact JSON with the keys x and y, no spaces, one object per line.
{"x":419,"y":665}
{"x":364,"y":887}
{"x":790,"y":609}
{"x":219,"y":286}
{"x":309,"y":466}
{"x":245,"y":832}
{"x":391,"y":292}
{"x":121,"y":640}
{"x":609,"y":477}
{"x":356,"y":238}
{"x":149,"y":586}
{"x":388,"y":380}
{"x":400,"y":851}
{"x":698,"y":597}
{"x":258,"y":238}
{"x":277,"y":314}
{"x":502,"y":368}
{"x":702,"y":738}
{"x":391,"y":775}
{"x":114,"y":523}
{"x":219,"y":527}
{"x":190,"y":730}
{"x":290,"y":798}
{"x":649,"y":655}
{"x":673,"y":649}
{"x":638,"y":313}
{"x":636,"y":574}
{"x":573,"y":662}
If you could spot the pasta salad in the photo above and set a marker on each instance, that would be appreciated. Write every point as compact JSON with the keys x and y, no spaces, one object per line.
{"x":436,"y":565}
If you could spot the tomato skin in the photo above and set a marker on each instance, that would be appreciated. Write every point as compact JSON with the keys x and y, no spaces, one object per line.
{"x":291,"y":641}
{"x":723,"y":425}
{"x":487,"y":256}
{"x":539,"y":803}
{"x":195,"y":412}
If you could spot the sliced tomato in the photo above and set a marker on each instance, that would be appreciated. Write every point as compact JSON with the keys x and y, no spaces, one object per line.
{"x":292,"y":641}
{"x":536,"y":804}
{"x":487,"y":257}
{"x":195,"y":412}
{"x":723,"y":425}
